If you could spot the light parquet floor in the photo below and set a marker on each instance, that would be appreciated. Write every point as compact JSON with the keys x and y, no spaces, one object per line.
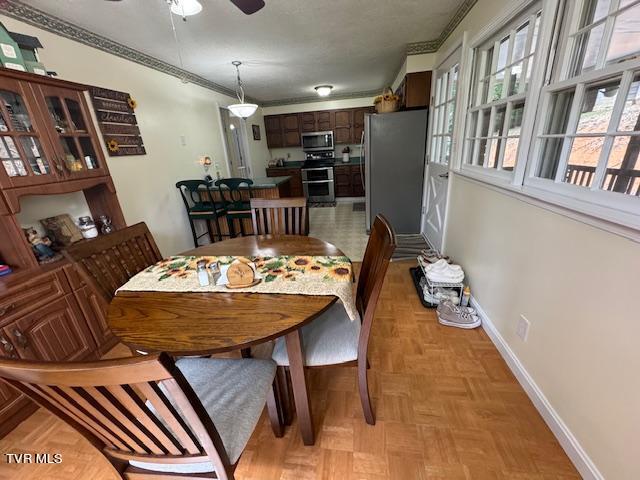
{"x":447,"y":407}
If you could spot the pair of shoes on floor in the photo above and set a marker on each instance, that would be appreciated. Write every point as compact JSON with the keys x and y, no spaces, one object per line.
{"x":443,"y":272}
{"x":440,"y":294}
{"x":455,"y":316}
{"x":432,"y":256}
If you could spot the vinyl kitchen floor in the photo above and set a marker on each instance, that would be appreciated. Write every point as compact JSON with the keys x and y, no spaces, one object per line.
{"x":341,"y":226}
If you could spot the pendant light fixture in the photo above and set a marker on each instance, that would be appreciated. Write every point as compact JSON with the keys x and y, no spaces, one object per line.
{"x":242,"y":110}
{"x":185,"y":8}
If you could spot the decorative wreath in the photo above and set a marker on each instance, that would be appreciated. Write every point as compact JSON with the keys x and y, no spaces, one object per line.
{"x":113,"y":146}
{"x":132,"y":103}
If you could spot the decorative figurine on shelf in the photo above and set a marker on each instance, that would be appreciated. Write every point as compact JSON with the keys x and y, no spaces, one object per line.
{"x":41,"y":246}
{"x":87,"y":227}
{"x":106,"y":228}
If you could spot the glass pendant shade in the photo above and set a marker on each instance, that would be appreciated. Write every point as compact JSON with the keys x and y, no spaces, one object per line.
{"x":185,"y":8}
{"x":243,"y":110}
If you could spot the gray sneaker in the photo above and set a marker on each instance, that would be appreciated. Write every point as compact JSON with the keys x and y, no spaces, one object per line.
{"x":454,"y":316}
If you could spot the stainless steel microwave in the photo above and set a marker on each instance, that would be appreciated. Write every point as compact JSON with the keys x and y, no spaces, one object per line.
{"x":316,"y":141}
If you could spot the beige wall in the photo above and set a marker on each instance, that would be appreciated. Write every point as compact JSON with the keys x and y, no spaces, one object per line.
{"x":575,"y":283}
{"x":167,"y":109}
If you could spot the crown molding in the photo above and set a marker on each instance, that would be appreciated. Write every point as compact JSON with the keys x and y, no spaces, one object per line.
{"x":312,"y":99}
{"x":432,"y":46}
{"x":38,"y":18}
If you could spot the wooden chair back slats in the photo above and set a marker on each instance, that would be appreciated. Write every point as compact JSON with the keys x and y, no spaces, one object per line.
{"x":132,"y":403}
{"x":377,"y":255}
{"x":140,"y":408}
{"x":279,"y":216}
{"x":109,"y":261}
{"x":151,"y":392}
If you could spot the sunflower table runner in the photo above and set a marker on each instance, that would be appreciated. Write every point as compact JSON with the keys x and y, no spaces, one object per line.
{"x":287,"y":274}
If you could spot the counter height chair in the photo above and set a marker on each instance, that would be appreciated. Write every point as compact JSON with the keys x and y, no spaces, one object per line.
{"x":333,"y":338}
{"x":153,"y":418}
{"x":280,"y":216}
{"x":235,"y":205}
{"x":107,"y":262}
{"x":200,"y":204}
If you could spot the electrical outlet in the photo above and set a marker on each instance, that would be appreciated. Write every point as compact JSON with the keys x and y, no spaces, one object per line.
{"x":522,"y":330}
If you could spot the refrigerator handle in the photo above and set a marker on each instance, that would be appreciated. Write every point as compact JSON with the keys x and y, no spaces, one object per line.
{"x":361,"y":156}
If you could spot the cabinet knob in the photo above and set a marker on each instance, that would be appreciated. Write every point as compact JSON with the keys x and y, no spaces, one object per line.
{"x":7,"y":309}
{"x":8,"y":347}
{"x":20,"y":338}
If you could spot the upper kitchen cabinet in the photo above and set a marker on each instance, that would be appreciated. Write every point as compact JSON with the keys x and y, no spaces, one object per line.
{"x":25,"y":151}
{"x":358,"y":122}
{"x":321,"y":121}
{"x":273,"y":128}
{"x":324,"y":121}
{"x":415,"y":90}
{"x":291,"y":130}
{"x":343,"y":125}
{"x":308,"y":122}
{"x":71,"y":130}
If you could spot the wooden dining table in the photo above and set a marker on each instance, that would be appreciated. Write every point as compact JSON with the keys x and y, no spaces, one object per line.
{"x":196,"y":323}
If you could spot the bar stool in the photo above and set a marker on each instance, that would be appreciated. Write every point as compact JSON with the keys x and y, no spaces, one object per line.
{"x":235,"y":206}
{"x":201,"y":205}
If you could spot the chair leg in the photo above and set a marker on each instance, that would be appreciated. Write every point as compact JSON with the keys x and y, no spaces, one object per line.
{"x":211,"y":240}
{"x":245,"y":352}
{"x":273,"y":409}
{"x":193,"y":232}
{"x":286,"y":400}
{"x":363,"y":387}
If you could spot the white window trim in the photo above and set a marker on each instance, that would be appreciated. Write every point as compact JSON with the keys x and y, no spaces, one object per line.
{"x":618,"y":214}
{"x":515,"y":9}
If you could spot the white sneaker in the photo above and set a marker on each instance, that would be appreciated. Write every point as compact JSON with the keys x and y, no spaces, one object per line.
{"x":454,"y":316}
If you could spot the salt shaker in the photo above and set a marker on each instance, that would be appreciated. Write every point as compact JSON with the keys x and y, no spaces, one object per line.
{"x":203,"y":274}
{"x":214,"y":269}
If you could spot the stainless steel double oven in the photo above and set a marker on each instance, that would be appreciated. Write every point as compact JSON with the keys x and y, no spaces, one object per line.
{"x":317,"y":170}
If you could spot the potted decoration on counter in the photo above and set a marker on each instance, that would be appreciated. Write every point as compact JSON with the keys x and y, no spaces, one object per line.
{"x":387,"y":102}
{"x":345,"y":154}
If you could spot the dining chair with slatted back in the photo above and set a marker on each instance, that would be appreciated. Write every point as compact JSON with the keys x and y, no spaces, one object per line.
{"x":235,"y":203}
{"x":333,"y":338}
{"x":151,"y":417}
{"x":107,"y":262}
{"x":279,"y":216}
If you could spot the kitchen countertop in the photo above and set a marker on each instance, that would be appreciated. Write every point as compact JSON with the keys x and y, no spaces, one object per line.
{"x":266,"y":182}
{"x":338,"y":162}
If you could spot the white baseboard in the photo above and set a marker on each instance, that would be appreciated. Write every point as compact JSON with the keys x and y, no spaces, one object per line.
{"x":569,"y":443}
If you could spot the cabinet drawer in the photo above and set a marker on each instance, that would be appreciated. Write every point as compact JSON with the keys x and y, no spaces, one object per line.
{"x":31,"y":295}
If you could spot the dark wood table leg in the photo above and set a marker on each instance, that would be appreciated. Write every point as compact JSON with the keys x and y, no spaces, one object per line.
{"x":299,"y":383}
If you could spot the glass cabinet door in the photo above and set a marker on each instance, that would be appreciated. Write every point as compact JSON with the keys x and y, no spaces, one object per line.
{"x":24,"y":158}
{"x":72,"y":132}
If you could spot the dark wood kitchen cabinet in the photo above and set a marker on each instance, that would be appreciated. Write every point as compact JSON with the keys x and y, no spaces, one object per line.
{"x":291,"y":130}
{"x":296,"y":178}
{"x":286,"y":130}
{"x":348,"y":181}
{"x":415,"y":90}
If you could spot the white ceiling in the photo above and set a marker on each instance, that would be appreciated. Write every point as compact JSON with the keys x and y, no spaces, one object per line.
{"x":286,"y":48}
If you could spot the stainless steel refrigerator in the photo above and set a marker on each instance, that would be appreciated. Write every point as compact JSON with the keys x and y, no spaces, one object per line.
{"x":394,"y":158}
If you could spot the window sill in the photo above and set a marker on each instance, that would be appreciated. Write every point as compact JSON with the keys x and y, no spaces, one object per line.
{"x":608,"y":219}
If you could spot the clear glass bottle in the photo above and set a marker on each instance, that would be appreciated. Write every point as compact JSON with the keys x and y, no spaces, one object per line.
{"x":202,"y":272}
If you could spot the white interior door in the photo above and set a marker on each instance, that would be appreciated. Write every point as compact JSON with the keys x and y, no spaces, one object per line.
{"x":443,"y":106}
{"x":235,"y":130}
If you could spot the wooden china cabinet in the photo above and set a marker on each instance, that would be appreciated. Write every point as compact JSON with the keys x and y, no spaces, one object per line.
{"x":48,"y":146}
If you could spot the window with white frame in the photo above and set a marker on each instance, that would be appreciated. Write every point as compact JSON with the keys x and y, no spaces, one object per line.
{"x":501,"y":72}
{"x":588,"y":143}
{"x":444,"y":104}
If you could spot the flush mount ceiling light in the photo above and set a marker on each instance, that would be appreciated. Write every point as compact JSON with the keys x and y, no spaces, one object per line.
{"x":324,"y":90}
{"x":242,"y":110}
{"x":185,"y":8}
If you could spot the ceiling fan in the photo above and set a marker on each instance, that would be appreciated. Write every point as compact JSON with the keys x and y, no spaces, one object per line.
{"x":247,"y":6}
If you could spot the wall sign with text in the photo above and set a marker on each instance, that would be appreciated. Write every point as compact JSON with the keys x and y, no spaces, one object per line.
{"x":117,"y":120}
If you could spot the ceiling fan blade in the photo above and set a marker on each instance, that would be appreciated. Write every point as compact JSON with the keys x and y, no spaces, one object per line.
{"x":248,"y":6}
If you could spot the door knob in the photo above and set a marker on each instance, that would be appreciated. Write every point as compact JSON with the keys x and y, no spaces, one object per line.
{"x":444,"y":175}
